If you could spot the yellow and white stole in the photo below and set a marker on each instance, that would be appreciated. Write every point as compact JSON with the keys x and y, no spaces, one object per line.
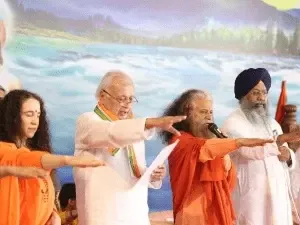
{"x":105,"y":114}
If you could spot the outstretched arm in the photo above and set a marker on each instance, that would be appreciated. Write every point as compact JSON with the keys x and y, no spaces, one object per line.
{"x":22,"y":172}
{"x":43,"y":160}
{"x":94,"y":133}
{"x":216,"y":148}
{"x":249,"y":153}
{"x":220,"y":147}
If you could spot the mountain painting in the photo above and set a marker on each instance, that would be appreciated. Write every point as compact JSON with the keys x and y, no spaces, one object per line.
{"x":61,"y":50}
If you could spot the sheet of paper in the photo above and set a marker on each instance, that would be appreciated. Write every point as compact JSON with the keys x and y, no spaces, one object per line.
{"x":159,"y":160}
{"x":114,"y":183}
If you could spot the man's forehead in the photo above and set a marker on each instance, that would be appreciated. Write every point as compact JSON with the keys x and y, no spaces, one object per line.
{"x":200,"y":102}
{"x":260,"y":86}
{"x":121,"y":89}
{"x":121,"y":81}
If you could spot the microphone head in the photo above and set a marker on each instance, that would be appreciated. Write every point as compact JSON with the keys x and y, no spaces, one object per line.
{"x":212,"y":126}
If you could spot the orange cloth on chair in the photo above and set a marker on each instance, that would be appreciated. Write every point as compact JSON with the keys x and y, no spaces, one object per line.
{"x":282,"y":101}
{"x":24,"y":201}
{"x":200,"y":184}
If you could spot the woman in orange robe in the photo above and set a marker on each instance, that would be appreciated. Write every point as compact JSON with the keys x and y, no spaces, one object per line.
{"x":25,"y":142}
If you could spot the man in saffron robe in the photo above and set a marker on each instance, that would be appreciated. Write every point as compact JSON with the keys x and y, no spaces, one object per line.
{"x":201,"y":173}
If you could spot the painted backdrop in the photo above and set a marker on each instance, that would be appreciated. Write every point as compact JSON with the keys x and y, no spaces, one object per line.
{"x":61,"y":49}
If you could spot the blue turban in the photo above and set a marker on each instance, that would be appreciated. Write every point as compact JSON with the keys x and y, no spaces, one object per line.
{"x":248,"y":79}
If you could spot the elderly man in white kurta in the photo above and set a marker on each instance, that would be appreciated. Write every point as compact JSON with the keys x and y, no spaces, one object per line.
{"x":110,"y":133}
{"x":262,"y":195}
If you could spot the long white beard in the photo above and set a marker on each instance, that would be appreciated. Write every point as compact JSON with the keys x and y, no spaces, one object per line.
{"x":261,"y":123}
{"x":259,"y":118}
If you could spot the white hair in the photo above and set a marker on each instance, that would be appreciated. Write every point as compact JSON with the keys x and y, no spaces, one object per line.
{"x":108,"y":78}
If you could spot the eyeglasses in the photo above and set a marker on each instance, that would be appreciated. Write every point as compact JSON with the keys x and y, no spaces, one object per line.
{"x":259,"y":93}
{"x":123,"y":101}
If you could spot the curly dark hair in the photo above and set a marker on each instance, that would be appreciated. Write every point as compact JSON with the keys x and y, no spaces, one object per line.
{"x":67,"y":192}
{"x":180,"y":106}
{"x":10,"y":121}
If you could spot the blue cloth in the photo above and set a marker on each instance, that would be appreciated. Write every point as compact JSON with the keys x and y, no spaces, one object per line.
{"x":248,"y":79}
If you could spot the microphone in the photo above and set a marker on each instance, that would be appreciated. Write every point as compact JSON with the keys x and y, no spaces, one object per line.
{"x":215,"y":130}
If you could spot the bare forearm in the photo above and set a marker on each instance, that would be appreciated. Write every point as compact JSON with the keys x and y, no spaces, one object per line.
{"x":49,"y":161}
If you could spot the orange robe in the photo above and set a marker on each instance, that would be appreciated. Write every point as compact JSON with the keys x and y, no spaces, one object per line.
{"x":200,"y":184}
{"x":24,"y":201}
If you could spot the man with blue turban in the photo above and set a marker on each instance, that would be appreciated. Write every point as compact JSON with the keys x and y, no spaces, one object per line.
{"x":262,"y":195}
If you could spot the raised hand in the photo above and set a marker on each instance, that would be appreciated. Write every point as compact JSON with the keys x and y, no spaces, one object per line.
{"x":252,"y":142}
{"x":165,"y":123}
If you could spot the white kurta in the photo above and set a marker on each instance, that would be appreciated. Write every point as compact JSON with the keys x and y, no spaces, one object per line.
{"x":262,"y":195}
{"x":93,"y":137}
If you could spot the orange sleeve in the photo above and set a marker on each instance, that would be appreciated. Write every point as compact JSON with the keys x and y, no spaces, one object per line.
{"x":216,"y":148}
{"x":20,"y":157}
{"x":30,"y":159}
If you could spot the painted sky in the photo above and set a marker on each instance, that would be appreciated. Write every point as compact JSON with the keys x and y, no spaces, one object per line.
{"x":284,"y":5}
{"x":155,"y":15}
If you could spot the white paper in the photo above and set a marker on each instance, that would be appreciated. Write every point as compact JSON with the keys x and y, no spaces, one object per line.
{"x":114,"y":183}
{"x":158,"y":161}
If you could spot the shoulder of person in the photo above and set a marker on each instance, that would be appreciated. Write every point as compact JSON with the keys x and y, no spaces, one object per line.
{"x":236,"y":115}
{"x":5,"y":145}
{"x":86,"y":115}
{"x":87,"y":118}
